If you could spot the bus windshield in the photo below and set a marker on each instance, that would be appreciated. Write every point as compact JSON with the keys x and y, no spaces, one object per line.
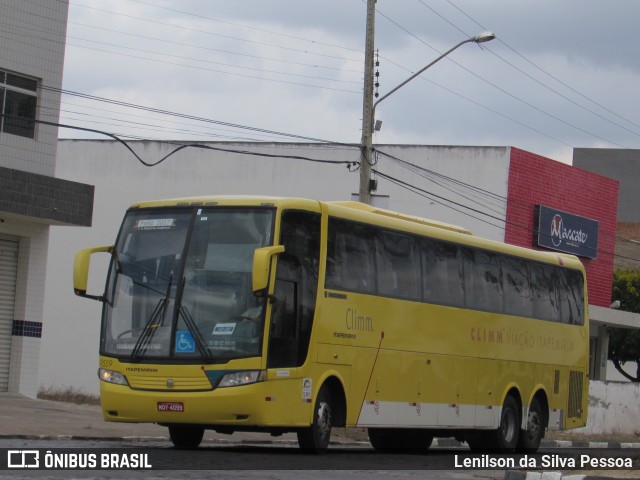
{"x":179,"y":286}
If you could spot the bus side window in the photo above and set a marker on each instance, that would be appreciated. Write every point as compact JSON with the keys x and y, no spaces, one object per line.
{"x":576,"y":292}
{"x":398,"y":266}
{"x":517,"y":293}
{"x":571,"y":298}
{"x":351,"y":261}
{"x":336,"y":253}
{"x":482,"y":281}
{"x":442,"y":273}
{"x":544,"y":289}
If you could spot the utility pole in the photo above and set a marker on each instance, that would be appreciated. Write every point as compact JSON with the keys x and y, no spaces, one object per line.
{"x":367,"y":185}
{"x":367,"y":108}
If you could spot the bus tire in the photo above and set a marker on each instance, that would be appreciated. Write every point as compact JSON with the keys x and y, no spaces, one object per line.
{"x":529,"y":440}
{"x":186,"y":437}
{"x":505,"y":438}
{"x":315,"y":438}
{"x":399,"y":439}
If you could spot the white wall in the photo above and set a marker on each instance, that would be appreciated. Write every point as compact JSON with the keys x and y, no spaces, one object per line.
{"x":614,"y":409}
{"x":72,"y":323}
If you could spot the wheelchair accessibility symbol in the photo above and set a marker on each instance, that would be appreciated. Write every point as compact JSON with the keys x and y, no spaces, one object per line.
{"x":185,"y":342}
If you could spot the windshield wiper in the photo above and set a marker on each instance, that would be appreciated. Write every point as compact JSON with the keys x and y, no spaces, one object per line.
{"x":205,"y":353}
{"x":155,"y":321}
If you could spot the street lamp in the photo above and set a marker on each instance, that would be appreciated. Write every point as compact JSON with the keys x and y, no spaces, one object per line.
{"x":367,"y":130}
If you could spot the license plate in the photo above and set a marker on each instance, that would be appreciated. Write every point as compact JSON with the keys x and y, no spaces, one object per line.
{"x":170,"y":407}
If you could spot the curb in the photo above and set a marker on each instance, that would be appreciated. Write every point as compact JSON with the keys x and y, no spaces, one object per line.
{"x":520,"y":475}
{"x":450,"y":442}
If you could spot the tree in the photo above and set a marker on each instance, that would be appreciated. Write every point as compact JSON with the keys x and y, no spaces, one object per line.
{"x":624,"y":344}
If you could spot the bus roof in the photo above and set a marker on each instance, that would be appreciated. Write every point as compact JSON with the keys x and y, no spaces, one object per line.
{"x":361,"y":212}
{"x":228,"y":200}
{"x":401,"y":216}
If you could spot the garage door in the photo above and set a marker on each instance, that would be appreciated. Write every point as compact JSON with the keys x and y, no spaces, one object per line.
{"x":8,"y":272}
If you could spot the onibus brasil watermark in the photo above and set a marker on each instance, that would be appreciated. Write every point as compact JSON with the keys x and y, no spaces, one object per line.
{"x":25,"y":459}
{"x":555,"y":461}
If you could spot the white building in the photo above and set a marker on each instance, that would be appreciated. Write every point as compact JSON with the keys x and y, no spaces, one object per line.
{"x":31,"y":198}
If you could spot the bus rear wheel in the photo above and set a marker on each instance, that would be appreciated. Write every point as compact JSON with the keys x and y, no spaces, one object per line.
{"x":398,"y":439}
{"x":505,"y":438}
{"x":186,"y":437}
{"x":315,"y":438}
{"x":530,"y":439}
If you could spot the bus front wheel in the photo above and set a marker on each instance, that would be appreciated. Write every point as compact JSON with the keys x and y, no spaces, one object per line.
{"x":316,"y":437}
{"x":186,"y":437}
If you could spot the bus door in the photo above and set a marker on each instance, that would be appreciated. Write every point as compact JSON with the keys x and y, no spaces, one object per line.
{"x":285,"y":348}
{"x":292,"y":312}
{"x":295,"y":291}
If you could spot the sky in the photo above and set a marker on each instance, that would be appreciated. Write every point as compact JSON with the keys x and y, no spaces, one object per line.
{"x":559,"y":75}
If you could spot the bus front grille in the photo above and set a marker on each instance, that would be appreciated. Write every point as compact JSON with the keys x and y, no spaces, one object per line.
{"x":178,"y":384}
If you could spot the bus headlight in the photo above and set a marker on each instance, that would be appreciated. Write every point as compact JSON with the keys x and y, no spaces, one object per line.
{"x":110,"y":376}
{"x":235,"y":379}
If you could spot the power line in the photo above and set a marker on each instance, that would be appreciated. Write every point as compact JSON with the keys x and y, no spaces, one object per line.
{"x":491,"y":196}
{"x":462,"y":186}
{"x":210,"y":49}
{"x":504,"y":91}
{"x":139,"y":124}
{"x":191,"y":117}
{"x":460,"y":208}
{"x":271,"y":32}
{"x":39,"y":29}
{"x":181,"y":146}
{"x":225,"y":72}
{"x":229,"y":37}
{"x":537,"y":67}
{"x":474,"y":195}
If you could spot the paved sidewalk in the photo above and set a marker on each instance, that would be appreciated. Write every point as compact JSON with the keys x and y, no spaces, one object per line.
{"x":27,"y":418}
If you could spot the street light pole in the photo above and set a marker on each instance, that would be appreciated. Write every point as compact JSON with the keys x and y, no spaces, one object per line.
{"x":369,"y":114}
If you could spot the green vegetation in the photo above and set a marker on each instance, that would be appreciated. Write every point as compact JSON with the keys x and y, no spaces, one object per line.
{"x":624,"y":344}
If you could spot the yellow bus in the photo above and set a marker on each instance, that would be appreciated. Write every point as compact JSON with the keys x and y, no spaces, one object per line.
{"x":293,"y":315}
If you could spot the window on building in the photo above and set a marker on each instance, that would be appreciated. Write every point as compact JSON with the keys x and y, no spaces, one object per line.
{"x":18,"y":99}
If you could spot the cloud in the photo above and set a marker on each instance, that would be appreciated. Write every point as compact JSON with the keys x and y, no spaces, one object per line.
{"x":559,"y":75}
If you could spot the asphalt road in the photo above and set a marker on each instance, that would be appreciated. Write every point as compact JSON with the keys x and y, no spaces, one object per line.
{"x":27,"y":424}
{"x":255,"y":461}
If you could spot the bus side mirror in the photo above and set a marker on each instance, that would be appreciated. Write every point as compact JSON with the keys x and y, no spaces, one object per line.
{"x":81,"y":271}
{"x":262,"y":267}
